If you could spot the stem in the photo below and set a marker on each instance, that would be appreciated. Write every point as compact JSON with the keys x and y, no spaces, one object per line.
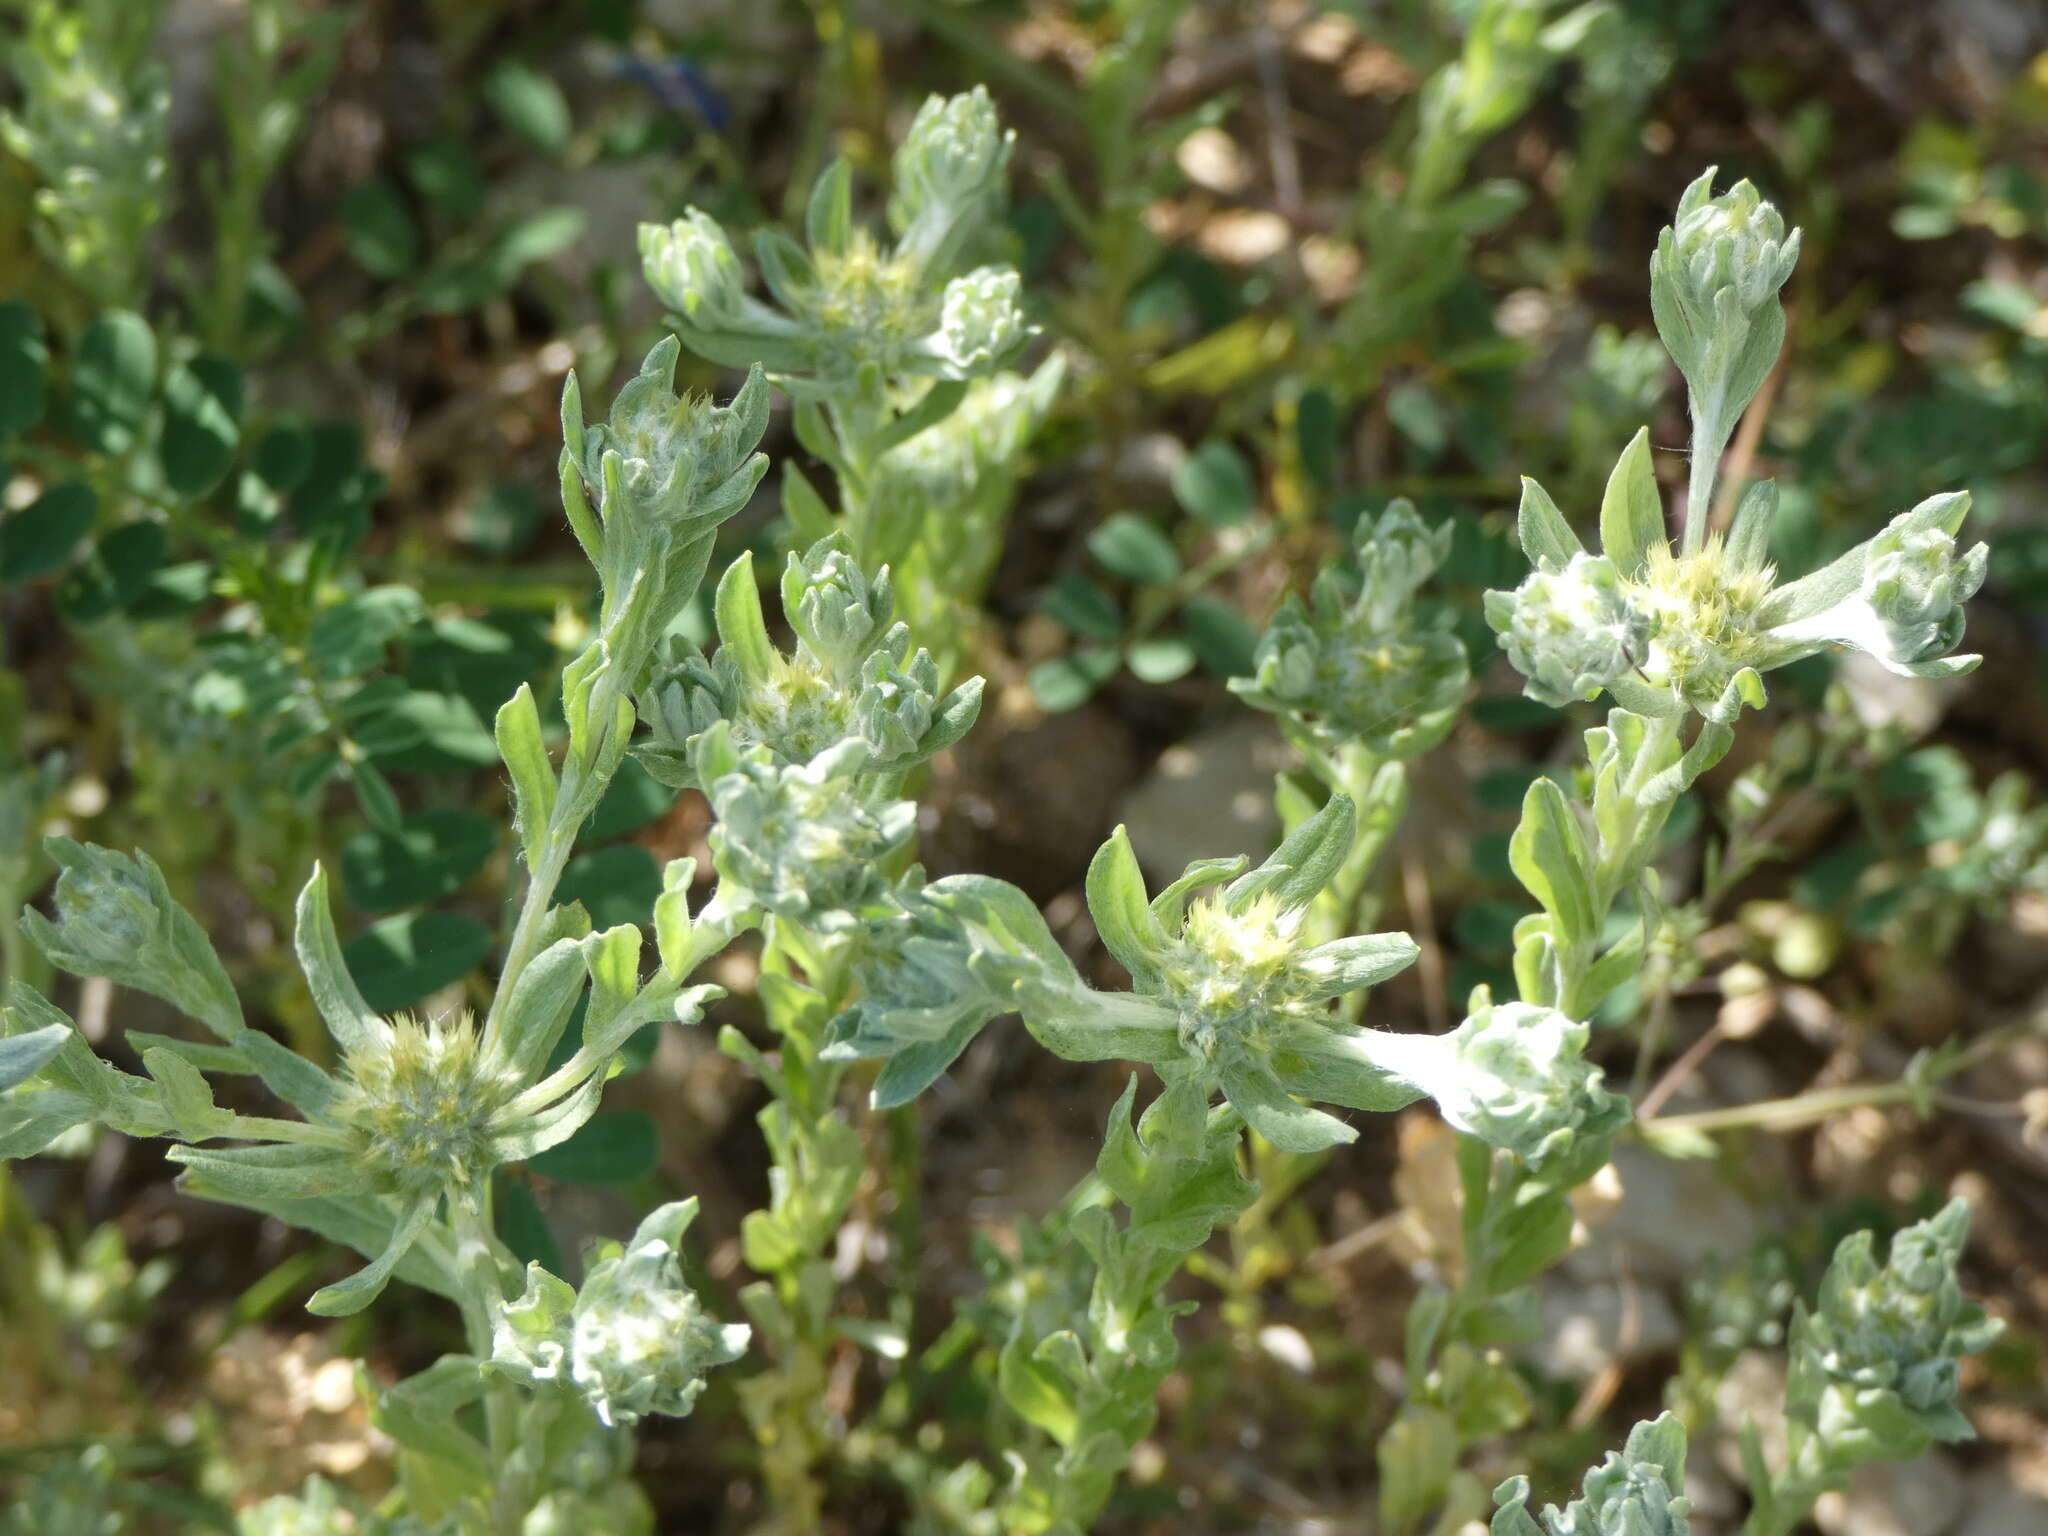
{"x":575,"y":798}
{"x":1782,"y":1115}
{"x":792,"y":1309}
{"x":534,"y":908}
{"x":479,"y":1262}
{"x":1709,"y":438}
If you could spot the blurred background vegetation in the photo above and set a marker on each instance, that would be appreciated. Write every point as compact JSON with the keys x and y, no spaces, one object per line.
{"x":291,"y":289}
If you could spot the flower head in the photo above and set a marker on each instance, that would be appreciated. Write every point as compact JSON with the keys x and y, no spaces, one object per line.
{"x":1714,"y":284}
{"x":1898,"y":596}
{"x":423,"y":1105}
{"x":693,"y":269}
{"x":1357,"y":663}
{"x":981,"y":319}
{"x":809,"y":843}
{"x":948,"y":172}
{"x":646,"y":488}
{"x":838,"y":611}
{"x":1636,"y":1492}
{"x":633,"y":1340}
{"x":1695,"y":629}
{"x":1876,"y":1364}
{"x":1515,"y":1076}
{"x":853,"y":676}
{"x":937,"y":966}
{"x":1702,"y":617}
{"x":1230,"y":992}
{"x":1734,"y":243}
{"x":1571,"y":631}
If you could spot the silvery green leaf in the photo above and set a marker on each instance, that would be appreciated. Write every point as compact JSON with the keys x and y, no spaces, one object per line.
{"x":1631,"y":511}
{"x":1749,"y":534}
{"x":351,"y":1020}
{"x":363,"y":1222}
{"x":1290,"y":1125}
{"x":75,"y":1086}
{"x":1080,"y":1024}
{"x":23,"y":1055}
{"x":1761,"y":343}
{"x":187,"y":1098}
{"x":347,"y":1297}
{"x":552,"y":1126}
{"x":1539,"y":967}
{"x":539,"y":1007}
{"x":915,"y":1067}
{"x":933,"y":407}
{"x":785,"y":268}
{"x":269,"y":1171}
{"x":1549,"y":854}
{"x":229,"y":1059}
{"x":676,"y":939}
{"x":1170,"y":905}
{"x":1117,"y":902}
{"x":1547,"y":539}
{"x":828,"y":216}
{"x":1178,"y":1189}
{"x":30,"y":1122}
{"x":1306,"y":860}
{"x":1335,"y":1064}
{"x":526,"y":758}
{"x":1364,"y":960}
{"x":287,"y":1074}
{"x":741,"y":626}
{"x":1035,"y":1392}
{"x":425,"y":1415}
{"x":1513,"y":1517}
{"x":955,"y":715}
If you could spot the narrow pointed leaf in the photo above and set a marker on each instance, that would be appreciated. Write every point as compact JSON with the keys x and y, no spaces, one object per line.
{"x":353,"y":1023}
{"x":1631,"y":511}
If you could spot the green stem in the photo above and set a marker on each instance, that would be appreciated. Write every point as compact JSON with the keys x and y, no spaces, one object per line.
{"x":1709,"y":438}
{"x":1781,"y":1115}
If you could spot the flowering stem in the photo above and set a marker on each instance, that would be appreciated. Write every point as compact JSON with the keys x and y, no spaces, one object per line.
{"x":816,"y":1166}
{"x":578,"y":796}
{"x":1781,"y":1115}
{"x":1709,"y":437}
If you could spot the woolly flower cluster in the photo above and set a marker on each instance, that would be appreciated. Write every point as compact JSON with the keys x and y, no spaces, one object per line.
{"x":1733,"y":245}
{"x":1515,"y":1076}
{"x":846,"y":303}
{"x":1876,"y":1364}
{"x":1358,"y":662}
{"x":633,"y":1340}
{"x":852,"y":678}
{"x":807,"y":843}
{"x":1570,"y":632}
{"x":1635,"y":1492}
{"x":422,"y":1102}
{"x":1686,"y":630}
